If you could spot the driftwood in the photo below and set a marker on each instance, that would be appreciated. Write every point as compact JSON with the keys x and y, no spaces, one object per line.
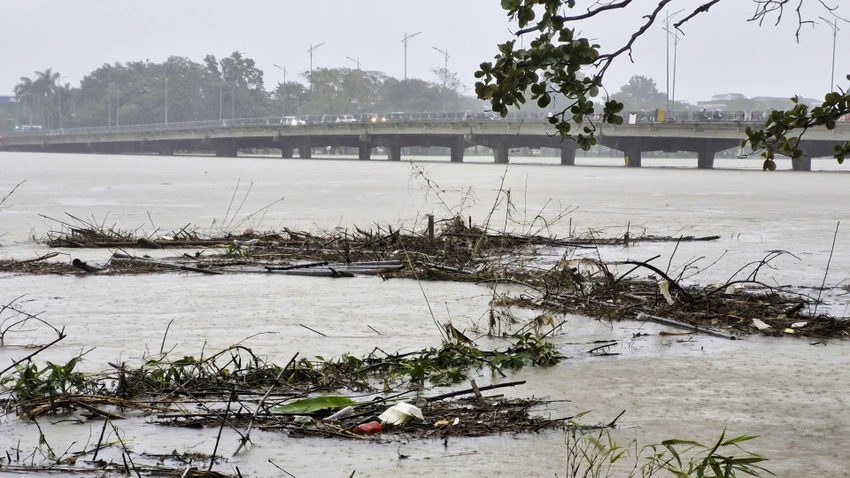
{"x":674,"y":323}
{"x":314,"y":269}
{"x":119,"y":258}
{"x":86,"y":267}
{"x":472,"y":390}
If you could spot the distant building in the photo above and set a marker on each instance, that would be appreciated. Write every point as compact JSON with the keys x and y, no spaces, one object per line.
{"x":5,"y":100}
{"x":728,"y":97}
{"x":719,"y":102}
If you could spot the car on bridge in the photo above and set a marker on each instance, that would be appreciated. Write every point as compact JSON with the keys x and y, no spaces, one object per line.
{"x":292,"y":121}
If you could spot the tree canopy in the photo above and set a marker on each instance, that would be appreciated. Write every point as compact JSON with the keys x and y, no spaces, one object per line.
{"x":220,"y":88}
{"x":552,"y":63}
{"x":640,"y":94}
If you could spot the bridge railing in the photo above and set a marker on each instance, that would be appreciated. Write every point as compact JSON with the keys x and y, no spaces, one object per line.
{"x":633,"y":117}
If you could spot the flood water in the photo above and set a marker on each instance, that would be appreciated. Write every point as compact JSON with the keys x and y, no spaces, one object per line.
{"x":791,"y":393}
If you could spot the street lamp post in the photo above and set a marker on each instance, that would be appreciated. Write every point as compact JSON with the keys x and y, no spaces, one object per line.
{"x":356,"y":87}
{"x":28,"y":105}
{"x":667,"y":37}
{"x":310,"y":51}
{"x":405,"y":40}
{"x":446,"y":57}
{"x":282,"y":91}
{"x":59,"y":94}
{"x":834,"y":25}
{"x":117,"y":107}
{"x":165,"y":80}
{"x":109,"y":102}
{"x":356,"y":62}
{"x":675,"y":57}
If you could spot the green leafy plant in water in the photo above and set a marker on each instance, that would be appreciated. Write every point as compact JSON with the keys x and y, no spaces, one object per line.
{"x":172,"y":374}
{"x":234,"y":250}
{"x":596,"y":454}
{"x":529,"y":347}
{"x":28,"y":382}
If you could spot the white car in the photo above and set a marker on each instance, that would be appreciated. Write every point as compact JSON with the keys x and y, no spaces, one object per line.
{"x":292,"y":121}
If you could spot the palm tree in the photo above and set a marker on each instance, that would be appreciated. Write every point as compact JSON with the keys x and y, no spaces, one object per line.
{"x":44,"y":87}
{"x":45,"y":82}
{"x":24,"y":89}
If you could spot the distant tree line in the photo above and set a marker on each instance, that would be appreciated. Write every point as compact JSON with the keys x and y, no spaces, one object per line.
{"x":180,"y":89}
{"x":233,"y":87}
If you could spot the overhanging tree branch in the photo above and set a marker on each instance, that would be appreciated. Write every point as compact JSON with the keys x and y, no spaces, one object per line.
{"x":551,"y":66}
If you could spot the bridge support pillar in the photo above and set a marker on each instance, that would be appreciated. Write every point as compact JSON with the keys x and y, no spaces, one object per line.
{"x":392,"y":145}
{"x":166,"y":149}
{"x":305,"y":151}
{"x":501,"y":152}
{"x":705,"y":158}
{"x":286,"y":151}
{"x":227,"y":149}
{"x":394,"y":152}
{"x":802,"y":164}
{"x":568,"y":153}
{"x":632,"y":157}
{"x":364,"y":151}
{"x":456,"y":151}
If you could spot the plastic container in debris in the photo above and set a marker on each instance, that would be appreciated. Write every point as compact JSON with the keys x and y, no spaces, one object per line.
{"x":400,"y":413}
{"x":344,"y":413}
{"x":252,"y":242}
{"x":369,"y":428}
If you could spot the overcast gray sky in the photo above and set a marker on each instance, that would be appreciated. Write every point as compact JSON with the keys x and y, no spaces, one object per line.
{"x":720,"y":52}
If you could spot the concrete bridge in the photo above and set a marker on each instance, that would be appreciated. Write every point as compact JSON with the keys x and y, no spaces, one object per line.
{"x":226,"y":138}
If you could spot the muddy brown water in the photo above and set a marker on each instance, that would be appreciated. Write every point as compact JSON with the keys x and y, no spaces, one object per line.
{"x":791,"y":393}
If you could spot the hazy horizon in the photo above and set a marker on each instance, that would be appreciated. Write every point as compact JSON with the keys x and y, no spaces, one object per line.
{"x":720,"y":52}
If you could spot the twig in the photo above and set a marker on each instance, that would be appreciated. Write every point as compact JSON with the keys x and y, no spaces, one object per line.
{"x":162,"y":347}
{"x":244,"y":440}
{"x":604,"y":346}
{"x":614,"y":421}
{"x":281,"y":469}
{"x":12,"y":191}
{"x":470,"y":390}
{"x":313,"y":330}
{"x":826,"y":272}
{"x":15,"y":363}
{"x":100,"y":440}
{"x":221,"y":428}
{"x":232,"y":198}
{"x":658,"y":271}
{"x":126,"y":451}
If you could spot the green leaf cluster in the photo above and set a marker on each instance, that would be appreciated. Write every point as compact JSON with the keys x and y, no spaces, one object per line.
{"x":550,"y":66}
{"x":28,"y":382}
